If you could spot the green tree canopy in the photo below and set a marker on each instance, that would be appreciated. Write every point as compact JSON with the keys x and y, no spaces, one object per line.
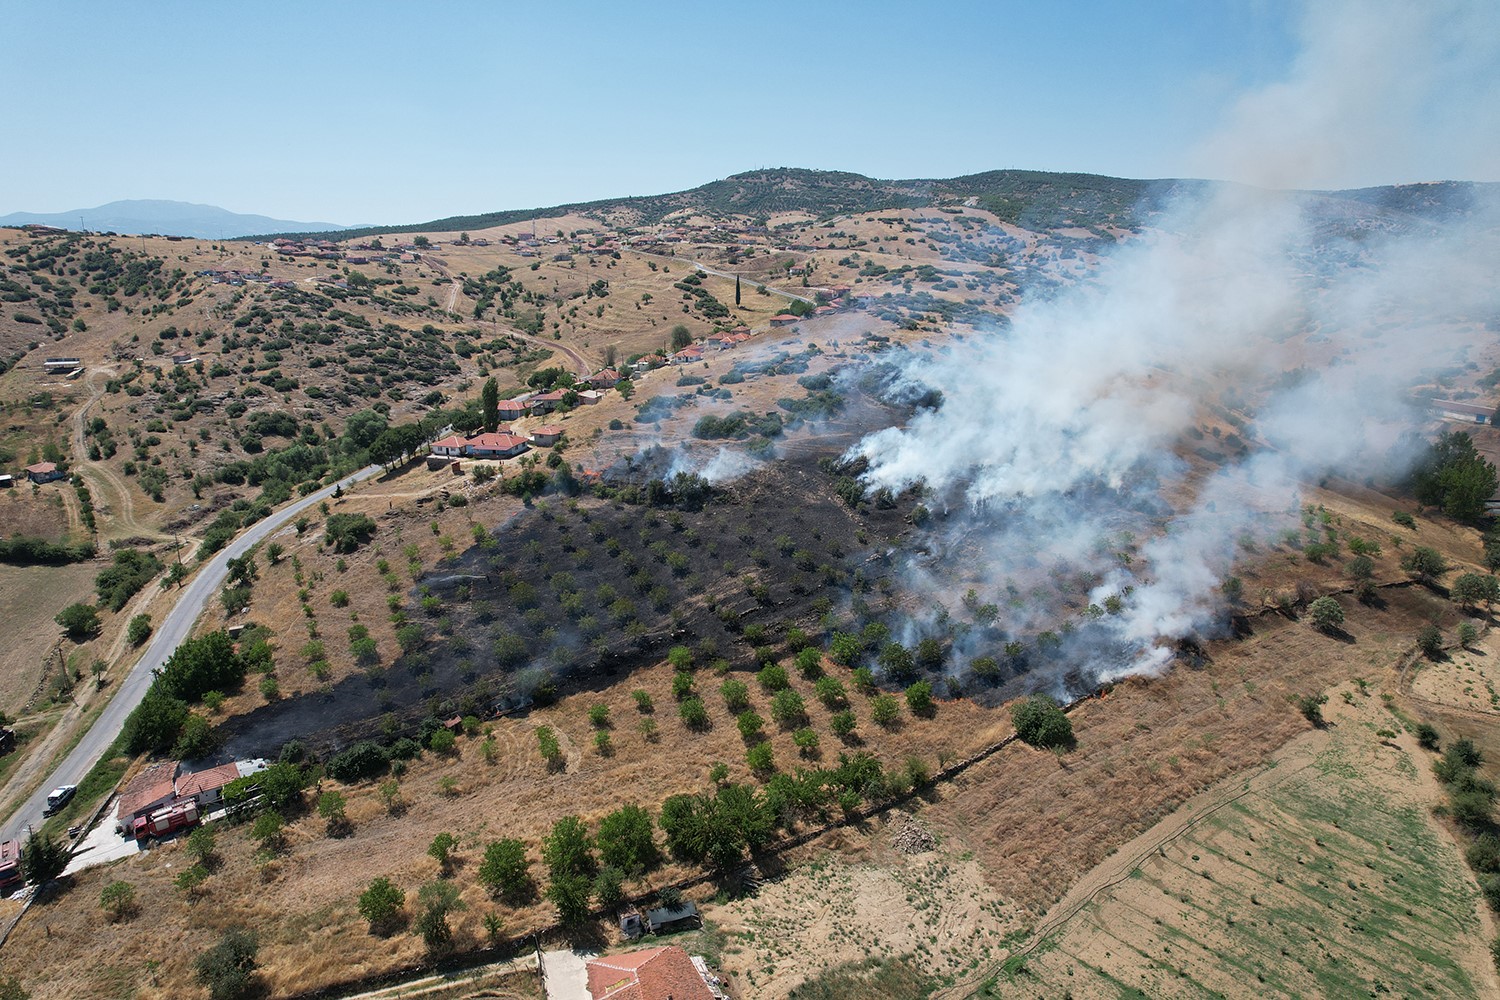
{"x":80,"y":621}
{"x":506,"y":871}
{"x":381,"y":903}
{"x":228,"y":968}
{"x":1326,"y":614}
{"x":1041,"y":722}
{"x":569,"y":849}
{"x":490,"y":401}
{"x":1454,"y":476}
{"x":626,"y":841}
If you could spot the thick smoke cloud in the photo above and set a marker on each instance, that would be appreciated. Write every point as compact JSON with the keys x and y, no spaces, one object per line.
{"x":1071,"y":427}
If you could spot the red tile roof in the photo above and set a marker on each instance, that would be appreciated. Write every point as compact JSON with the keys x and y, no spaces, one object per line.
{"x":495,"y":442}
{"x":451,"y":441}
{"x":652,"y":974}
{"x":207,"y":780}
{"x":42,"y":468}
{"x":153,"y":785}
{"x":551,"y":430}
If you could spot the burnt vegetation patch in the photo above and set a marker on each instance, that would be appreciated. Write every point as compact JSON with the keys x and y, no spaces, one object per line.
{"x":576,"y":592}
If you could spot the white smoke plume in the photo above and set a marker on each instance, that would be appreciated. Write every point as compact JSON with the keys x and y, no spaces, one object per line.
{"x":1082,"y":409}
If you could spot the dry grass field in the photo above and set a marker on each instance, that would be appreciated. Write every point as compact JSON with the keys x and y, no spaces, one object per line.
{"x":303,"y":901}
{"x":1018,"y":833}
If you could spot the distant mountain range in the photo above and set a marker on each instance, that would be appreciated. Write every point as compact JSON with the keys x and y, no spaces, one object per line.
{"x":166,"y":218}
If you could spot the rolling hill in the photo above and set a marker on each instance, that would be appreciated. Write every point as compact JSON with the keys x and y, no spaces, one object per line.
{"x":164,"y":218}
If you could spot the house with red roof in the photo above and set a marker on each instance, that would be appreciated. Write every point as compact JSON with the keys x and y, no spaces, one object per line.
{"x":783,"y":319}
{"x":546,"y":402}
{"x":511,"y":409}
{"x":546,"y":436}
{"x":43,"y":472}
{"x":451,"y":446}
{"x":665,"y":973}
{"x":153,"y":788}
{"x":495,"y":445}
{"x":605,"y":379}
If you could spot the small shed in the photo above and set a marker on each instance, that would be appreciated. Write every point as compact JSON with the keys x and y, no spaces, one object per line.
{"x":673,"y":918}
{"x":43,"y":472}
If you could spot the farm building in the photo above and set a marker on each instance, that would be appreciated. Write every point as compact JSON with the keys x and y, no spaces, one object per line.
{"x":783,"y":319}
{"x":166,"y":784}
{"x":1453,"y":410}
{"x":6,"y":480}
{"x":43,"y":472}
{"x":207,"y":786}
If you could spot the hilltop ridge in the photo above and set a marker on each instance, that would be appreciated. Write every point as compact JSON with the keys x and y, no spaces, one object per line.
{"x":1035,"y":199}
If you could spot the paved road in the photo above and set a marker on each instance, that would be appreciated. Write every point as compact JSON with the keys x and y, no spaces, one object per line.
{"x":168,"y":635}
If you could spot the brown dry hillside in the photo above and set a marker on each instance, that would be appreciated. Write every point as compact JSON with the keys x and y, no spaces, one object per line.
{"x":699,"y":538}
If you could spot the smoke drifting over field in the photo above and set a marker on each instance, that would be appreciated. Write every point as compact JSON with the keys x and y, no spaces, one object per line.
{"x":1069,"y":428}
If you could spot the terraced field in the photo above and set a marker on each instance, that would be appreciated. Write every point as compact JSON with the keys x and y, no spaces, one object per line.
{"x":1330,"y":880}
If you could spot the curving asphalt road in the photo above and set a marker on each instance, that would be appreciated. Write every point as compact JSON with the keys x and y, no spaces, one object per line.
{"x":169,"y":634}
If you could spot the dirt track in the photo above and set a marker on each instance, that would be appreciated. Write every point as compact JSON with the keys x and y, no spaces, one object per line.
{"x":114,"y":498}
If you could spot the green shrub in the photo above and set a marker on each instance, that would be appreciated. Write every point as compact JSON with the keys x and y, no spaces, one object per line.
{"x":1040,"y":721}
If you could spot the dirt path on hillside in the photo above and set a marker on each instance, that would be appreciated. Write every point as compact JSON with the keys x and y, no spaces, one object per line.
{"x":724,"y":274}
{"x":112,"y":494}
{"x":581,"y":366}
{"x":1296,"y":757}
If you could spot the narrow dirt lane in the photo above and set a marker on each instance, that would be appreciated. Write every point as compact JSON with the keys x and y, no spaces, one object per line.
{"x":581,"y":366}
{"x":114,"y":499}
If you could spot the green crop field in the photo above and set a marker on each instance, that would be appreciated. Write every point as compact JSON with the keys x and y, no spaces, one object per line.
{"x":1331,"y":883}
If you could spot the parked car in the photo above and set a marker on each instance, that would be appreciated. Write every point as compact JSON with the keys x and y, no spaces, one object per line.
{"x":59,"y":797}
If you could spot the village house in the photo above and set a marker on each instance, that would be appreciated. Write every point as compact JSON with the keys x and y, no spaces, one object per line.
{"x":511,"y":409}
{"x":148,"y":791}
{"x":496,"y":445}
{"x":43,"y":472}
{"x":664,"y":973}
{"x":165,"y":784}
{"x":451,"y":446}
{"x":588,"y":397}
{"x":546,"y":436}
{"x":206,"y":787}
{"x":605,"y":379}
{"x":546,"y":402}
{"x":783,"y":319}
{"x":10,"y":864}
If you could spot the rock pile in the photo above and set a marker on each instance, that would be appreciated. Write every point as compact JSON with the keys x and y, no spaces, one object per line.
{"x":912,"y":838}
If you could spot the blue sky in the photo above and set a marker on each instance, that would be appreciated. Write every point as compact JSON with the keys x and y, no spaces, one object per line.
{"x":404,"y":112}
